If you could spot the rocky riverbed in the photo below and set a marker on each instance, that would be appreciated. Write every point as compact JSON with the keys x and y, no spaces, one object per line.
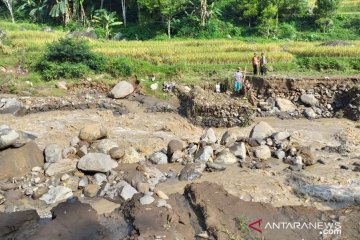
{"x":153,"y":175}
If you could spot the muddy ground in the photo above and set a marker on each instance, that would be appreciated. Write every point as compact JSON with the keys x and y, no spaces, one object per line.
{"x":239,"y":195}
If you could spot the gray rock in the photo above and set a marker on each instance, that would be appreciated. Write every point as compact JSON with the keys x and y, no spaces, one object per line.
{"x":146,"y":200}
{"x":82,"y":151}
{"x":105,"y":145}
{"x":20,"y":161}
{"x":310,"y":113}
{"x":11,"y":106}
{"x":308,"y":155}
{"x":174,"y":145}
{"x":127,"y":191}
{"x":177,"y":155}
{"x":262,"y":152}
{"x":280,"y":136}
{"x":280,"y":154}
{"x":239,"y":150}
{"x":226,"y":157}
{"x":96,"y":162}
{"x":261,"y":130}
{"x":92,"y":132}
{"x":209,"y":136}
{"x":131,"y":156}
{"x":285,"y":105}
{"x":204,"y":154}
{"x":74,"y":141}
{"x":99,"y":178}
{"x":158,"y":158}
{"x":8,"y":137}
{"x":231,"y":136}
{"x":215,"y":167}
{"x":69,"y":152}
{"x":309,"y":99}
{"x":116,"y":153}
{"x":57,"y":194}
{"x":53,"y":153}
{"x":192,"y":171}
{"x":122,"y":90}
{"x":84,"y":181}
{"x":154,"y":86}
{"x":60,"y":167}
{"x":82,"y":34}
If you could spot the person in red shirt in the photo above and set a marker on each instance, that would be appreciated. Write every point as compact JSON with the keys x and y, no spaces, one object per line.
{"x":255,"y":62}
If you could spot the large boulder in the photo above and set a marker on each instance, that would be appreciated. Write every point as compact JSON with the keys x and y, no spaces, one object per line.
{"x":122,"y":90}
{"x":93,"y":132}
{"x":11,"y":106}
{"x":285,"y":105}
{"x":96,"y":162}
{"x":261,"y":130}
{"x":173,"y":146}
{"x":86,"y":34}
{"x":8,"y":137}
{"x":231,"y":136}
{"x":60,"y":167}
{"x":226,"y":157}
{"x":280,"y":136}
{"x":309,"y":99}
{"x":19,"y":161}
{"x":310,"y":113}
{"x":53,"y":153}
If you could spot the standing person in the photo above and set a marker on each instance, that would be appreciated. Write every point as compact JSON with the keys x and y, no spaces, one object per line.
{"x":255,"y":62}
{"x":217,"y":87}
{"x":263,"y":63}
{"x":238,"y":79}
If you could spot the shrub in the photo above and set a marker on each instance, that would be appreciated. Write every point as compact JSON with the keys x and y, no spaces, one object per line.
{"x":51,"y":70}
{"x":328,"y":63}
{"x":120,"y":67}
{"x":286,"y":30}
{"x":69,"y":58}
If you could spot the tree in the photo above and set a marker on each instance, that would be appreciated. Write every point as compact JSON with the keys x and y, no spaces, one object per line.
{"x":167,"y":8}
{"x":34,"y":8}
{"x":267,"y":18}
{"x":123,"y":7}
{"x":324,"y":11}
{"x":326,"y":8}
{"x":61,"y":8}
{"x":9,"y":5}
{"x":248,"y":10}
{"x":106,"y":20}
{"x":203,"y":12}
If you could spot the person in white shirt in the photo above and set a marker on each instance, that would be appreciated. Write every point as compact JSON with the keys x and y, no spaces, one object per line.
{"x":238,"y":80}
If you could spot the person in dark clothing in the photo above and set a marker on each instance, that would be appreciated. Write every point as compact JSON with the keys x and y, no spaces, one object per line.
{"x":263,"y":63}
{"x":255,"y":62}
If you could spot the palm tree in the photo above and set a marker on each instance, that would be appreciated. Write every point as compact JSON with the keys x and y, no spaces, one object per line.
{"x":106,"y":20}
{"x":61,"y":8}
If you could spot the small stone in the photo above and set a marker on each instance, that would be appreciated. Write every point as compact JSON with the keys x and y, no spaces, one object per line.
{"x":37,"y":169}
{"x":61,"y":167}
{"x":57,"y":194}
{"x":310,"y":113}
{"x":69,"y":152}
{"x":61,"y":85}
{"x":262,"y":152}
{"x":74,"y":141}
{"x":209,"y":136}
{"x":82,"y":151}
{"x":7,"y":138}
{"x":309,"y":99}
{"x":84,"y":181}
{"x":280,"y":154}
{"x":100,"y":178}
{"x":53,"y":153}
{"x":174,"y":145}
{"x":158,"y":158}
{"x":39,"y":192}
{"x":285,"y":105}
{"x":261,"y":130}
{"x":214,"y":167}
{"x":192,"y":171}
{"x":162,"y":195}
{"x":96,"y":162}
{"x":154,"y":86}
{"x":146,"y":200}
{"x":177,"y":155}
{"x":128,"y":191}
{"x":122,"y":90}
{"x":142,"y":187}
{"x":92,"y":132}
{"x":116,"y":153}
{"x":204,"y":154}
{"x":105,"y":145}
{"x":281,"y":136}
{"x":65,"y":177}
{"x":226,"y":157}
{"x":91,"y":190}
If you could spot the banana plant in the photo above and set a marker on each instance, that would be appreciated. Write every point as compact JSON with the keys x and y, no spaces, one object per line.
{"x":106,"y":20}
{"x":61,"y":8}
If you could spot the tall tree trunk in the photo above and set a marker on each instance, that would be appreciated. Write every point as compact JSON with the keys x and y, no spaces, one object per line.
{"x":9,"y":5}
{"x":169,"y":27}
{"x":101,"y":4}
{"x":203,"y":12}
{"x":123,"y":6}
{"x":138,"y":12}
